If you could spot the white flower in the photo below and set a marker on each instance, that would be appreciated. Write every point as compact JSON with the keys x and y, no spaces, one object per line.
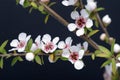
{"x":106,"y":19}
{"x":68,"y":2}
{"x":21,"y":2}
{"x":47,"y":45}
{"x":21,"y":43}
{"x":116,"y":48}
{"x":74,"y":55}
{"x":81,"y":21}
{"x":66,"y":44}
{"x":91,"y":5}
{"x":103,"y":36}
{"x":37,"y":44}
{"x":29,"y":56}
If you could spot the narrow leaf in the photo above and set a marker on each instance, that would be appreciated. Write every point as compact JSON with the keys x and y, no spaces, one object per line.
{"x":46,"y":18}
{"x":4,"y":44}
{"x":34,"y":5}
{"x":1,"y":63}
{"x":112,"y":46}
{"x":105,"y":50}
{"x":14,"y":61}
{"x":20,"y":58}
{"x":113,"y":66}
{"x":38,"y":60}
{"x":29,"y":45}
{"x":100,"y":9}
{"x":106,"y":63}
{"x":37,"y":51}
{"x":93,"y":56}
{"x":92,"y":33}
{"x":51,"y":4}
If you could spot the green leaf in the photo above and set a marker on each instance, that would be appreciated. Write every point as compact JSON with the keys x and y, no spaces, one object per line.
{"x":4,"y":44}
{"x":38,"y":60}
{"x":46,"y":18}
{"x":58,"y":52}
{"x":41,"y":8}
{"x":26,"y":4}
{"x":37,"y":51}
{"x":3,"y":51}
{"x":100,"y":9}
{"x":113,"y":66}
{"x":51,"y":4}
{"x":20,"y":58}
{"x":105,"y":50}
{"x":30,"y":10}
{"x":14,"y":61}
{"x":92,"y":33}
{"x":96,"y":23}
{"x":1,"y":63}
{"x":112,"y":46}
{"x":29,"y":45}
{"x":93,"y":56}
{"x":106,"y":63}
{"x":64,"y":58}
{"x":34,"y":5}
{"x":118,"y":55}
{"x":102,"y":55}
{"x":17,"y":2}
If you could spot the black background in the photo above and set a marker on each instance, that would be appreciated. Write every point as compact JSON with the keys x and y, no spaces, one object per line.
{"x":15,"y":19}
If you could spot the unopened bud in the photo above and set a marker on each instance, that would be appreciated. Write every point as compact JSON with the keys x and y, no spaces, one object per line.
{"x":29,"y":56}
{"x":116,"y":48}
{"x":111,"y":39}
{"x":103,"y":36}
{"x":106,"y":20}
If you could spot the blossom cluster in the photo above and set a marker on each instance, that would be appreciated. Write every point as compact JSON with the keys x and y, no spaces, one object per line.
{"x":74,"y":53}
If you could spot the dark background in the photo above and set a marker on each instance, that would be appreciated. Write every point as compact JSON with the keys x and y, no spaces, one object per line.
{"x":14,"y":19}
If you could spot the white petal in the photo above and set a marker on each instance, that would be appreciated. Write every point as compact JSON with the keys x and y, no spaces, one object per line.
{"x":27,"y":38}
{"x":85,"y":45}
{"x":79,"y":45}
{"x":61,"y":45}
{"x":46,"y":38}
{"x":66,"y":53}
{"x":34,"y":47}
{"x":71,"y":27}
{"x":55,"y":47}
{"x":21,"y":2}
{"x":55,"y":40}
{"x":116,"y":48}
{"x":14,"y":43}
{"x":68,"y":41}
{"x":13,"y":49}
{"x":81,"y":54}
{"x":74,"y":15}
{"x":21,"y":49}
{"x":74,"y":49}
{"x":65,"y":3}
{"x":106,"y":19}
{"x":91,"y":6}
{"x":22,"y":36}
{"x":29,"y":56}
{"x":84,"y":13}
{"x":108,"y":69}
{"x":79,"y":65}
{"x":80,"y":32}
{"x":89,"y":23}
{"x":37,"y":40}
{"x":117,"y":64}
{"x":119,"y":58}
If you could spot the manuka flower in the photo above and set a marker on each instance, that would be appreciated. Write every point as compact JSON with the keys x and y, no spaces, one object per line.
{"x":69,"y":2}
{"x":37,"y":44}
{"x":106,"y":19}
{"x":74,"y":55}
{"x":47,"y":45}
{"x":91,"y":5}
{"x":116,"y":48}
{"x":21,"y":43}
{"x":81,"y":21}
{"x":65,"y":44}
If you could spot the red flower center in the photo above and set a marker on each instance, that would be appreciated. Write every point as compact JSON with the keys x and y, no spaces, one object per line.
{"x":49,"y":46}
{"x":80,"y":22}
{"x":21,"y":44}
{"x":74,"y":56}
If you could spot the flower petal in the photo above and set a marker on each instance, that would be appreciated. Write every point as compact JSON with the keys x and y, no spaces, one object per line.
{"x":21,"y":49}
{"x":65,"y":3}
{"x":37,"y":40}
{"x":117,"y":64}
{"x":71,"y":27}
{"x":80,"y":32}
{"x":13,"y":49}
{"x":27,"y":38}
{"x":55,"y":40}
{"x":85,"y":45}
{"x":78,"y":65}
{"x":81,"y":54}
{"x":22,"y":2}
{"x":55,"y":47}
{"x":66,"y":53}
{"x":46,"y":38}
{"x":84,"y":13}
{"x":74,"y":49}
{"x":22,"y":36}
{"x":89,"y":23}
{"x":34,"y":47}
{"x":14,"y":43}
{"x":61,"y":45}
{"x":68,"y":41}
{"x":74,"y":14}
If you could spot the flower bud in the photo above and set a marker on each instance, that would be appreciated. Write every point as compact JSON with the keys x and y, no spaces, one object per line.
{"x":111,"y":39}
{"x":29,"y":56}
{"x":103,"y":36}
{"x":21,"y":2}
{"x":91,"y":6}
{"x":106,"y":19}
{"x":116,"y":48}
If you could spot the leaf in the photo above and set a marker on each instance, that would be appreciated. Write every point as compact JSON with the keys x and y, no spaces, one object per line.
{"x":29,"y":45}
{"x":112,"y":46}
{"x":46,"y":18}
{"x":92,"y":33}
{"x":1,"y":63}
{"x":26,"y":4}
{"x":113,"y":66}
{"x":37,"y":51}
{"x":96,"y":23}
{"x":64,"y":58}
{"x":34,"y":5}
{"x":58,"y":52}
{"x":3,"y":51}
{"x":20,"y":58}
{"x":51,"y":4}
{"x":38,"y":60}
{"x":14,"y":61}
{"x":93,"y":56}
{"x":105,"y":63}
{"x":30,"y":10}
{"x":102,"y":55}
{"x":41,"y":8}
{"x":118,"y":55}
{"x":100,"y":9}
{"x":105,"y":50}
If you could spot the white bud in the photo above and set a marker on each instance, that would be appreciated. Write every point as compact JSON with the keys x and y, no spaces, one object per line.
{"x":22,"y":2}
{"x":91,"y":5}
{"x":102,"y":36}
{"x":116,"y":48}
{"x":29,"y":56}
{"x":106,"y":19}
